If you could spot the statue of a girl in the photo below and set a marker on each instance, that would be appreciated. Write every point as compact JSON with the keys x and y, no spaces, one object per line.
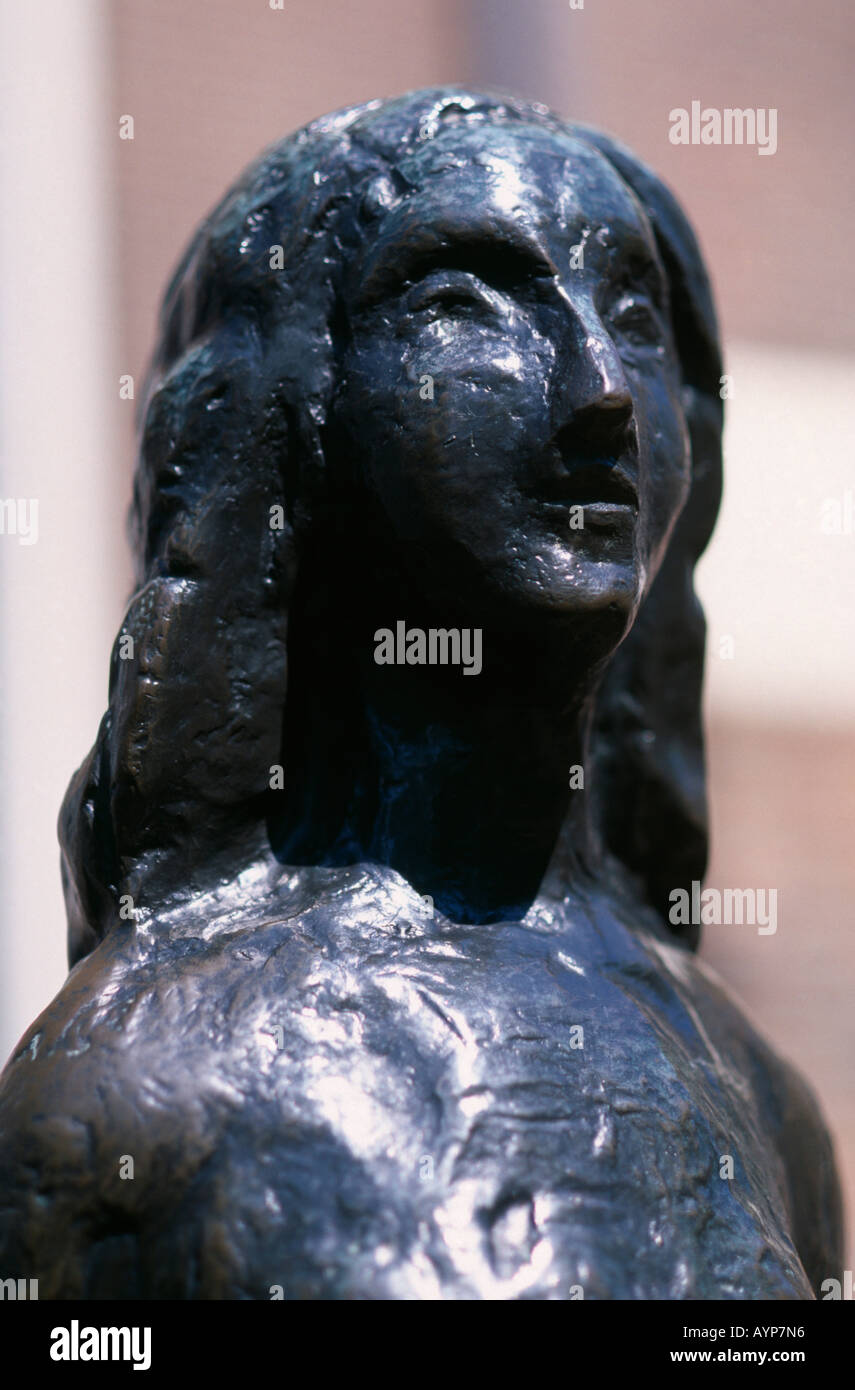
{"x":374,"y":977}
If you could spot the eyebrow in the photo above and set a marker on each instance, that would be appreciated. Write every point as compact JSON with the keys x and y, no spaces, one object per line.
{"x":503,"y":259}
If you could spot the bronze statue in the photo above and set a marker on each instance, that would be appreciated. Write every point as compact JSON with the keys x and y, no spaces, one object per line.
{"x":377,"y":992}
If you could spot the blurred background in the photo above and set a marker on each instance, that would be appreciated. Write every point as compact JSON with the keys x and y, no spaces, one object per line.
{"x":92,"y":225}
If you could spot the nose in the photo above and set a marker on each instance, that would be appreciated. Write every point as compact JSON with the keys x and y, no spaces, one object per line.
{"x":592,"y":401}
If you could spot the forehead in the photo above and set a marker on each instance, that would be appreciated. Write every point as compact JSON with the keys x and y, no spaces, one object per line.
{"x":483,"y":178}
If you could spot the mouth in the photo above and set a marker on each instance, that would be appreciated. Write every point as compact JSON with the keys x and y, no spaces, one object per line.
{"x":599,"y":488}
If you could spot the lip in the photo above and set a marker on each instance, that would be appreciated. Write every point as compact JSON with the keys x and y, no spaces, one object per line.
{"x":600,"y":485}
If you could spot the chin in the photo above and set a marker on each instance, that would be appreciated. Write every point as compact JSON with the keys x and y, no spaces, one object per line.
{"x":584,"y":583}
{"x":591,"y":605}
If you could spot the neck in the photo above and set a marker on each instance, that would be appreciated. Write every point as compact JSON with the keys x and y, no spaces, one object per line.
{"x":463,"y":783}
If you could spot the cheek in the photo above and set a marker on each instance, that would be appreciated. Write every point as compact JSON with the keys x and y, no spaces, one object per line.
{"x":483,"y":380}
{"x":666,"y":458}
{"x":441,"y":424}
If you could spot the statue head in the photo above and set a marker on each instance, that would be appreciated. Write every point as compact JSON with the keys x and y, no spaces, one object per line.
{"x":440,"y":357}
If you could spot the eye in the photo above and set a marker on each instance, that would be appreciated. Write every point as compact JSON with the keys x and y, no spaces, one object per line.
{"x":634,"y":317}
{"x":449,"y":295}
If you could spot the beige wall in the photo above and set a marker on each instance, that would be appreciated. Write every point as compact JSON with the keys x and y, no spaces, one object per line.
{"x":212,"y":81}
{"x":60,"y":598}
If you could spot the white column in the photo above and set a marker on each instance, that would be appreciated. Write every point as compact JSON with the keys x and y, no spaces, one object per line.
{"x":60,"y":597}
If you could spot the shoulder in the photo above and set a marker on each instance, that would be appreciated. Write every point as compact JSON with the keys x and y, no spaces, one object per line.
{"x":170,"y":1118}
{"x":784,"y":1112}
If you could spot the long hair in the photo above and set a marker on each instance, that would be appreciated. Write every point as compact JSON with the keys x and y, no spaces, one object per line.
{"x":173,"y":797}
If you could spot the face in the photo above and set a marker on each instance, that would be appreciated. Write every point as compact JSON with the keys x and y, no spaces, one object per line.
{"x":510,"y":395}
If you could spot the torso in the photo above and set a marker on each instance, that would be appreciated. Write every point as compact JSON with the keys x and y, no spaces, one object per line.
{"x":358,"y":1103}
